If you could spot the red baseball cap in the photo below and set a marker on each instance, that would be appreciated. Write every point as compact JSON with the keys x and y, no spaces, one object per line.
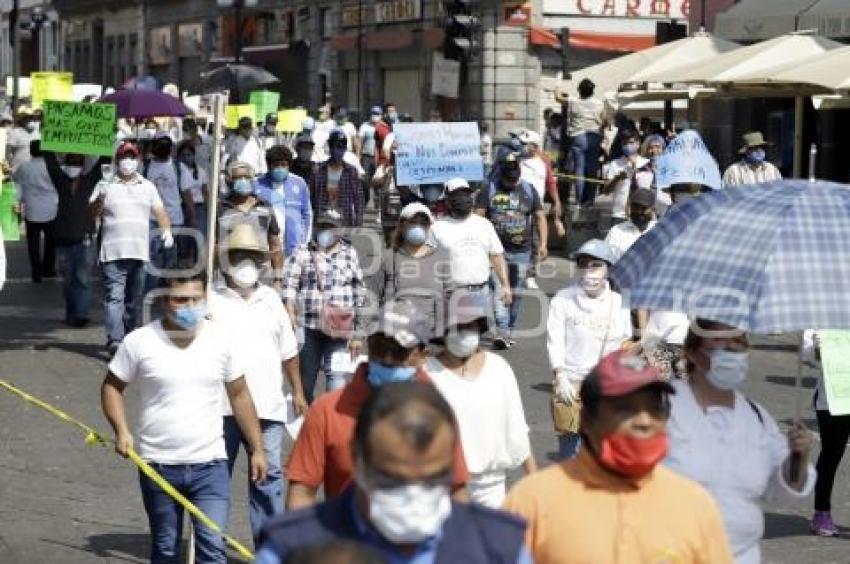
{"x":127,"y":147}
{"x":622,"y":372}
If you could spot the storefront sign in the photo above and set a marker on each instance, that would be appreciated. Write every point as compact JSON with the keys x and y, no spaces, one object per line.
{"x":355,"y":16}
{"x":432,"y":153}
{"x":190,"y":42}
{"x":393,"y":11}
{"x":445,"y":76}
{"x":675,"y":9}
{"x":159,"y":48}
{"x":75,"y":127}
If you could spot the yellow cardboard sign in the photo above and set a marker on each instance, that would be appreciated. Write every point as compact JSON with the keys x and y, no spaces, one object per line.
{"x":289,"y":121}
{"x":234,"y":113}
{"x":51,"y":86}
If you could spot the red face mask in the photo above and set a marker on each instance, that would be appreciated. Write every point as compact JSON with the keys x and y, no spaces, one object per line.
{"x":631,"y":456}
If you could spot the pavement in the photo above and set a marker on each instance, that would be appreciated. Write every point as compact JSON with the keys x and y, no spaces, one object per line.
{"x":61,"y":501}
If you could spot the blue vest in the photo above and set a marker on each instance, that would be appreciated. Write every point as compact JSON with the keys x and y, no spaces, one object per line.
{"x":471,"y":535}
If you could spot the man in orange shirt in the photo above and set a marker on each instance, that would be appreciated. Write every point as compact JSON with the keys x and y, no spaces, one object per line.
{"x":614,"y":503}
{"x":321,"y":455}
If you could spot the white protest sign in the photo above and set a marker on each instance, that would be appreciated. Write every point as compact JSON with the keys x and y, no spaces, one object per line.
{"x":686,"y":160}
{"x":432,"y":153}
{"x":445,"y":76}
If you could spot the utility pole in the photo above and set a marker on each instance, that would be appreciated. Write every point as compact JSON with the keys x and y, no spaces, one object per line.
{"x":15,"y":38}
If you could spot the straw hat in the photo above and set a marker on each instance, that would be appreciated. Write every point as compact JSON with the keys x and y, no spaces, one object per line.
{"x":243,"y":237}
{"x":752,"y":139}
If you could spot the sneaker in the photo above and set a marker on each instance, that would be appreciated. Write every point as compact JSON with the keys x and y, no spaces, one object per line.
{"x":112,"y":348}
{"x":822,"y":524}
{"x":500,"y":343}
{"x":531,"y":283}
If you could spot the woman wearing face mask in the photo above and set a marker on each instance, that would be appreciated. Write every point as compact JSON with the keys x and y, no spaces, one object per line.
{"x":586,"y":321}
{"x":728,"y":443}
{"x":338,"y":185}
{"x":413,"y":268}
{"x":481,"y":386}
{"x":626,"y":173}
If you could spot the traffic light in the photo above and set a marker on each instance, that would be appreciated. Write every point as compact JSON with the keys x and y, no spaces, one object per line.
{"x":460,"y":27}
{"x":665,"y":32}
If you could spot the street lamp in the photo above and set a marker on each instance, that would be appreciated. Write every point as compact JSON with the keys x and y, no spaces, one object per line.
{"x":237,"y":6}
{"x":37,"y":21}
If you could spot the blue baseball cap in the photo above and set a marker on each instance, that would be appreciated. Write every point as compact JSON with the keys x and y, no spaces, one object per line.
{"x":376,"y":111}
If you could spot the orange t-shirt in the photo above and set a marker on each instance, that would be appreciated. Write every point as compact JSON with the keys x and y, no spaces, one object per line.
{"x":322,"y":453}
{"x":578,"y":512}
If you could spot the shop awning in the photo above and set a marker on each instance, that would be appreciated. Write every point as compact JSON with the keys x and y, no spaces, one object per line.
{"x":388,"y":40}
{"x":599,"y":41}
{"x":754,"y":20}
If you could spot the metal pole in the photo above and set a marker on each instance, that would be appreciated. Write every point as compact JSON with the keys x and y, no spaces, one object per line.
{"x":16,"y":54}
{"x":215,"y":177}
{"x":359,"y":55}
{"x":702,"y":16}
{"x":35,"y":45}
{"x":798,"y":137}
{"x":237,"y":16}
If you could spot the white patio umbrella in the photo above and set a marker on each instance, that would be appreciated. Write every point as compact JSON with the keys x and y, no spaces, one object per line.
{"x":830,"y":70}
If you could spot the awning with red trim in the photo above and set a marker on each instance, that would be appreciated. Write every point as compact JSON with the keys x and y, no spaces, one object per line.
{"x":592,"y":40}
{"x":543,"y":37}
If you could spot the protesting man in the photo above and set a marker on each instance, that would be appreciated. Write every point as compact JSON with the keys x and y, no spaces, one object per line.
{"x":322,"y":454}
{"x":269,"y":135}
{"x":514,"y":208}
{"x":303,"y":164}
{"x":366,"y":143}
{"x":181,"y":363}
{"x":125,"y":205}
{"x":40,"y":201}
{"x":287,"y":194}
{"x":266,"y":349}
{"x":641,"y":219}
{"x":244,"y":146}
{"x":626,"y":173}
{"x":338,"y":185}
{"x":752,"y":168}
{"x":400,"y":503}
{"x":382,"y":129}
{"x":615,"y":502}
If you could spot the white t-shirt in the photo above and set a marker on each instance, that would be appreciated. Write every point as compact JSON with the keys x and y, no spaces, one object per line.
{"x":180,"y":410}
{"x":194,"y":185}
{"x":164,"y":177}
{"x":126,"y":216}
{"x":350,"y":133}
{"x":248,"y":151}
{"x":264,"y":340}
{"x":367,"y":138}
{"x":577,"y":325}
{"x":643,"y":179}
{"x":623,"y":235}
{"x":36,"y":190}
{"x":533,"y":171}
{"x":469,"y":242}
{"x":351,"y":158}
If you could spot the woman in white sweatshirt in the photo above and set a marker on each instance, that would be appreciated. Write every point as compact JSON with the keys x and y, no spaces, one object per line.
{"x":586,"y":321}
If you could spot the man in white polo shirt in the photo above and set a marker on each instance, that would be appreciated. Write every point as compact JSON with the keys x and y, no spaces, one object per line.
{"x":181,"y":363}
{"x":266,"y":349}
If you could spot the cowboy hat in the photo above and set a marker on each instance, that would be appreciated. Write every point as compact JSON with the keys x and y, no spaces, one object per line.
{"x":243,"y":237}
{"x":752,"y":139}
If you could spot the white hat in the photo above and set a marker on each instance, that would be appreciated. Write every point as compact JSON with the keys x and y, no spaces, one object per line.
{"x":456,"y":184}
{"x":414,"y":208}
{"x":528,"y":136}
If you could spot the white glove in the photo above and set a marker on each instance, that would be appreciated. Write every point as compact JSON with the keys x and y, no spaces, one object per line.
{"x":566,"y":389}
{"x":167,"y":239}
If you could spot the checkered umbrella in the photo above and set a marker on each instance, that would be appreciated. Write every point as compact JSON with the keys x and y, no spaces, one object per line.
{"x":767,"y":258}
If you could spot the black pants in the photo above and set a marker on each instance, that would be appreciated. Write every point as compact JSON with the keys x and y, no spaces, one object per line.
{"x":41,"y":264}
{"x":834,"y":432}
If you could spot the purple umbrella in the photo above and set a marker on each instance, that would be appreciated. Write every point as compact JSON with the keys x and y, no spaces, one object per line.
{"x":145,"y":103}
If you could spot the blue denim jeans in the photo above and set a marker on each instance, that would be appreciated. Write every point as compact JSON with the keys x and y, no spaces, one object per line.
{"x":507,"y":316}
{"x":161,"y":258}
{"x":122,"y":299}
{"x":266,"y":499}
{"x":316,"y":354}
{"x":207,"y":485}
{"x":568,"y":445}
{"x":75,"y":264}
{"x":585,"y":153}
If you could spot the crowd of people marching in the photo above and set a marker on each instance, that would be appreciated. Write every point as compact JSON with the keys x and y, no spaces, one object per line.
{"x":405,"y":455}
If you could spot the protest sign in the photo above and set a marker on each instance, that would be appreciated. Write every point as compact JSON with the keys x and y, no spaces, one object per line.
{"x":51,"y":86}
{"x":289,"y":121}
{"x":9,"y":220}
{"x":264,"y":102}
{"x":75,"y":127}
{"x":236,"y":112}
{"x":835,"y":361}
{"x":687,"y":160}
{"x":431,"y":153}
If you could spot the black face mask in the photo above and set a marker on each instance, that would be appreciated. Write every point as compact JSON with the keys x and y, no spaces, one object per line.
{"x":460,"y":205}
{"x":161,"y":151}
{"x":641,"y":220}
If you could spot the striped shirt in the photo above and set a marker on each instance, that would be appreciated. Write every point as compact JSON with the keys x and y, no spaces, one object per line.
{"x":742,"y":172}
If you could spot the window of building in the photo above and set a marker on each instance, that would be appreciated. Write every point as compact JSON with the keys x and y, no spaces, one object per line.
{"x":325,"y":23}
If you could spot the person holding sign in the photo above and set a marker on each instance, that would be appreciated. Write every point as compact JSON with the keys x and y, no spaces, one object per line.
{"x":727,"y":442}
{"x":752,"y":168}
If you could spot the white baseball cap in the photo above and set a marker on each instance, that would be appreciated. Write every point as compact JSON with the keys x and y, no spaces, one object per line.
{"x":456,"y":184}
{"x":414,"y":208}
{"x":529,"y":136}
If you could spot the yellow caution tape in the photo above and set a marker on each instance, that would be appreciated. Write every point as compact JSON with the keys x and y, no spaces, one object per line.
{"x":94,"y":438}
{"x":574,"y":177}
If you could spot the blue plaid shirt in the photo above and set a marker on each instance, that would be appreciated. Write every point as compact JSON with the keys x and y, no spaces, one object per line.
{"x":340,"y":275}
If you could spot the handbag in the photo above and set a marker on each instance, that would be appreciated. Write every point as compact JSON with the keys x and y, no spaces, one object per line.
{"x":334,"y":320}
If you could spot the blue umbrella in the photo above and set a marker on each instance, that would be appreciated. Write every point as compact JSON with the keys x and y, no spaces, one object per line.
{"x":766,"y":258}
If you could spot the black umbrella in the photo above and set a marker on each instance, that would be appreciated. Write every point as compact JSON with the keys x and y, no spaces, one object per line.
{"x":234,"y":78}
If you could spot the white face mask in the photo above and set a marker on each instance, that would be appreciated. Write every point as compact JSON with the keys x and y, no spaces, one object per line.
{"x":463,"y":344}
{"x":409,"y":514}
{"x":72,"y":171}
{"x":128,"y":166}
{"x":728,"y":369}
{"x":592,"y":280}
{"x":245,"y":274}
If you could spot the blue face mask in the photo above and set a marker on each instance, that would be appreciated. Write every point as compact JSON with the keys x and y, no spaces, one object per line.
{"x":243,"y":186}
{"x":187,"y":318}
{"x":630,"y":149}
{"x":416,"y":235}
{"x":326,"y":238}
{"x":380,"y":374}
{"x":279,"y":174}
{"x":337,"y":153}
{"x":755,"y":156}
